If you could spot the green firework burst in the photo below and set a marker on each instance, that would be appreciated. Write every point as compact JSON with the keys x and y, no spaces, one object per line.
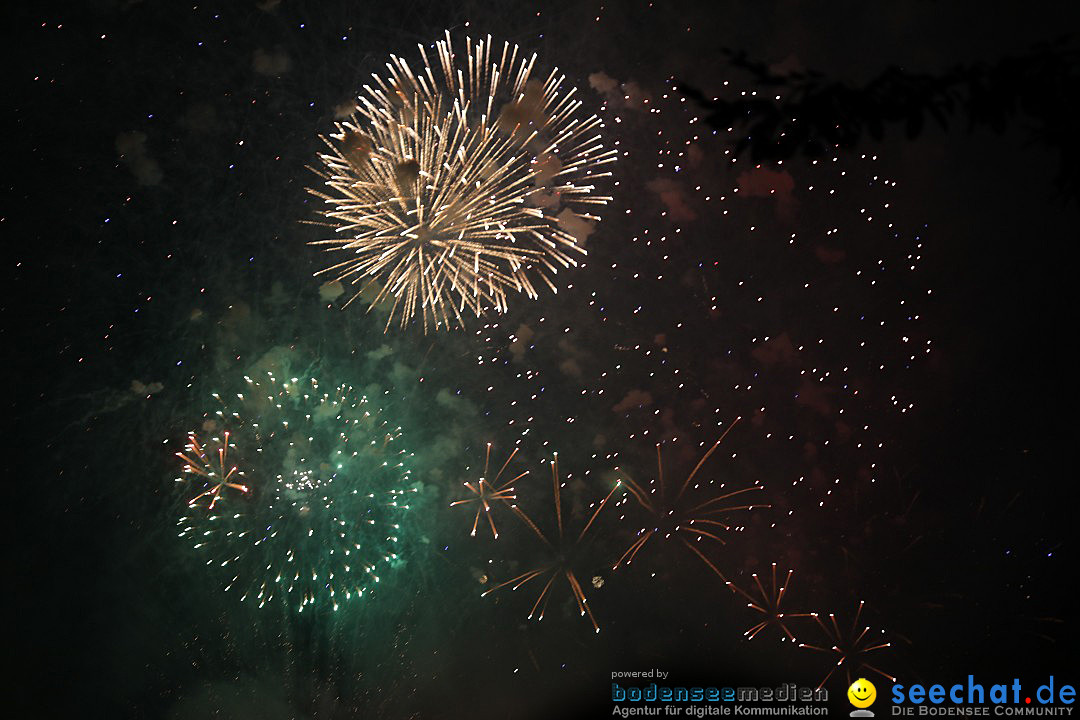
{"x":295,"y":492}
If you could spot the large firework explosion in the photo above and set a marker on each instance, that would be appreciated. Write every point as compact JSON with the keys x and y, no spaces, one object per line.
{"x":295,"y":492}
{"x":451,"y":186}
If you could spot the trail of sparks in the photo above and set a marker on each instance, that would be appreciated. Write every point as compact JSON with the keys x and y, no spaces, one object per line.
{"x":450,"y":186}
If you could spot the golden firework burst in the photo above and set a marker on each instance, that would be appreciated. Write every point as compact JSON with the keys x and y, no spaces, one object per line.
{"x":451,"y":186}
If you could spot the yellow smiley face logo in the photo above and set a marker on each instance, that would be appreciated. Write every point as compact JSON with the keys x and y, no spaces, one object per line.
{"x":862,"y":693}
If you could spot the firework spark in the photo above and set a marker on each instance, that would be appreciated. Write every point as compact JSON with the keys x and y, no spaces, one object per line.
{"x":326,"y":487}
{"x":217,"y":476}
{"x":688,"y":521}
{"x":489,"y":493}
{"x":767,"y":602}
{"x":563,"y":551}
{"x":849,"y":646}
{"x":453,"y":185}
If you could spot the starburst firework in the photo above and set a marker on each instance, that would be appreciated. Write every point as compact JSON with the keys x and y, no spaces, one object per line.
{"x":849,"y":645}
{"x":688,"y":518}
{"x":451,"y":186}
{"x":325,"y":487}
{"x":212,"y":468}
{"x":488,"y":493}
{"x":564,"y":552}
{"x":767,"y":602}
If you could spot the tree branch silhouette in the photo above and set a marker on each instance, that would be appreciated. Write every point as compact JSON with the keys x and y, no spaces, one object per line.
{"x":815,"y":113}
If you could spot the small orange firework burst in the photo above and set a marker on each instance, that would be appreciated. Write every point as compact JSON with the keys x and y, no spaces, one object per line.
{"x":685,"y":519}
{"x":849,"y":646}
{"x":767,"y":602}
{"x":212,"y":467}
{"x":564,"y":553}
{"x":486,"y":494}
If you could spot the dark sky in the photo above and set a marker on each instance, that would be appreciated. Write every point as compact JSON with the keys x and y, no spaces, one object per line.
{"x":893,"y":324}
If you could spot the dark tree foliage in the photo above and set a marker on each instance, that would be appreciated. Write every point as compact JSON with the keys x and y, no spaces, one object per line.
{"x":815,"y":113}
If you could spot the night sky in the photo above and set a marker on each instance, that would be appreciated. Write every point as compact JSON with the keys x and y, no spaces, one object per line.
{"x":883,"y":332}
